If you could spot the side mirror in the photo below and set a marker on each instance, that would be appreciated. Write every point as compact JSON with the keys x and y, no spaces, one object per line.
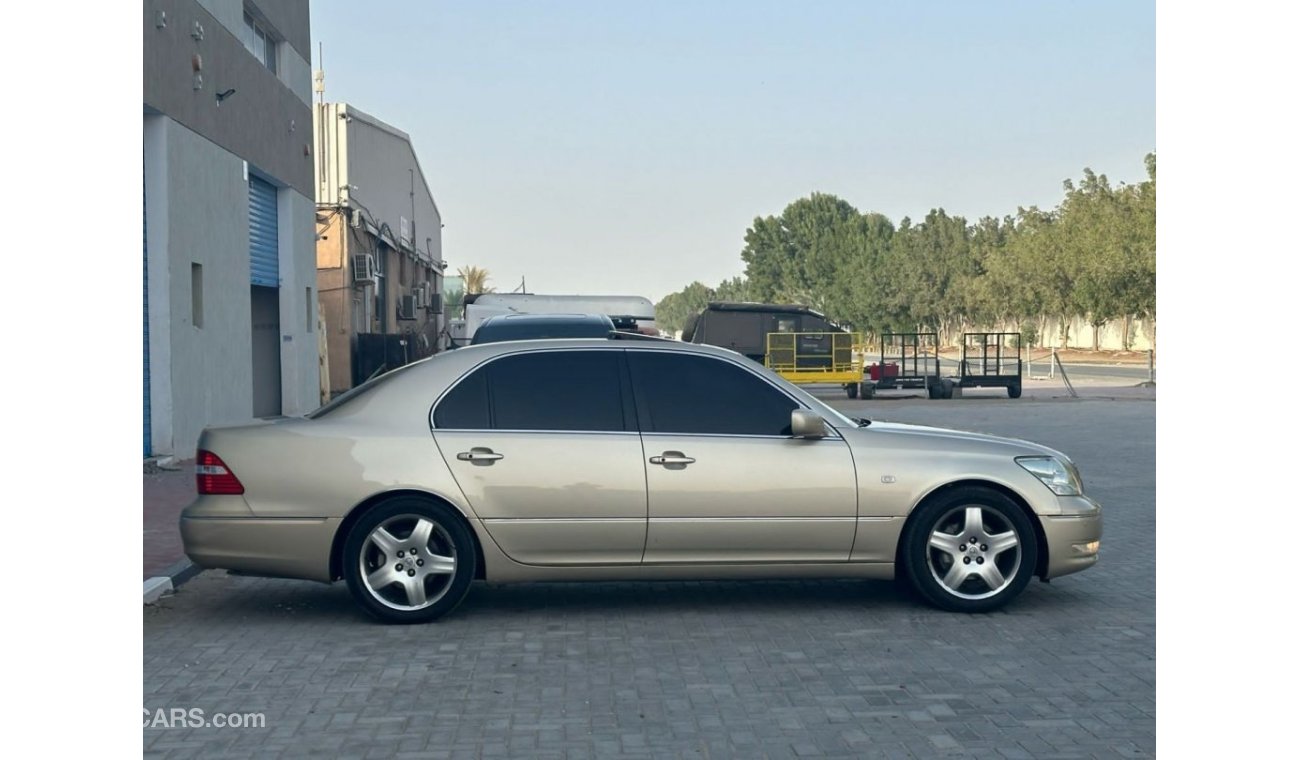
{"x":806,"y":424}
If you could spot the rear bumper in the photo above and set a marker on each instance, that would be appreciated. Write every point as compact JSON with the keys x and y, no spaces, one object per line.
{"x":1073,"y":543}
{"x":286,"y":548}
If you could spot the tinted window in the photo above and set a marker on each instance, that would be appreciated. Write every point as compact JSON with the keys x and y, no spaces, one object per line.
{"x":552,"y":390}
{"x":696,"y":394}
{"x":466,"y":406}
{"x":557,"y":390}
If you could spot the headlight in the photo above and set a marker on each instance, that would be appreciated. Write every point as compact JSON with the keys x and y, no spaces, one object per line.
{"x":1055,"y":475}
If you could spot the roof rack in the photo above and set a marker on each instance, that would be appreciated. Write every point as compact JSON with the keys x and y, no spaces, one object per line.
{"x":621,"y":335}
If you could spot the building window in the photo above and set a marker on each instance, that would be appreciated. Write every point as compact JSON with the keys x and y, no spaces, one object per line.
{"x":196,"y":295}
{"x":311,"y":323}
{"x":261,"y":42}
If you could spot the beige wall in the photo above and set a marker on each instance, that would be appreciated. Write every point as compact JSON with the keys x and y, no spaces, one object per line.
{"x":349,"y":307}
{"x":1110,"y":336}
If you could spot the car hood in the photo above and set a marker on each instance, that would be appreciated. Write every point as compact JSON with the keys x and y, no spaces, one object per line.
{"x":933,"y":437}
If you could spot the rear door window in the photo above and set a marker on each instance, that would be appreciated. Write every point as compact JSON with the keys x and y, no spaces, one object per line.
{"x":543,"y":391}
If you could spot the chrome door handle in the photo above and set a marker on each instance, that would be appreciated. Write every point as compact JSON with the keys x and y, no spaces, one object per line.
{"x":480,"y":455}
{"x":672,"y":457}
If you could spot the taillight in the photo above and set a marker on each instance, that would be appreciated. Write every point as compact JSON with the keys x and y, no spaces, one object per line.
{"x":213,"y":477}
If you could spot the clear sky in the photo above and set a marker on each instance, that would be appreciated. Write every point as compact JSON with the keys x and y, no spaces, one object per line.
{"x":624,"y":147}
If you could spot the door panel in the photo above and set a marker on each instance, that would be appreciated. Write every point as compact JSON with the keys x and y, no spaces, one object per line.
{"x":543,"y":444}
{"x":726,"y":481}
{"x":750,"y":500}
{"x":554,"y":498}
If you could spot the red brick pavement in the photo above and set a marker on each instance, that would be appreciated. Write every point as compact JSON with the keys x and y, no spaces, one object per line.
{"x":165,"y":493}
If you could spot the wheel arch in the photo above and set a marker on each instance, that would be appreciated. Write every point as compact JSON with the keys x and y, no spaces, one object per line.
{"x":1039,"y":536}
{"x":357,"y":512}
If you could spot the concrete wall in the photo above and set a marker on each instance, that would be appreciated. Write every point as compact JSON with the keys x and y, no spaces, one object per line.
{"x":200,"y":376}
{"x":289,"y":18}
{"x":266,"y":121}
{"x":299,"y":354}
{"x":1110,"y":336}
{"x":198,"y":214}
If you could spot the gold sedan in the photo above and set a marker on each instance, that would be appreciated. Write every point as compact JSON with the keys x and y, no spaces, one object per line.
{"x":621,"y":459}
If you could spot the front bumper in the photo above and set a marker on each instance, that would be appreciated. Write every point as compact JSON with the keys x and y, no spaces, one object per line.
{"x":1073,"y":542}
{"x":279,"y":547}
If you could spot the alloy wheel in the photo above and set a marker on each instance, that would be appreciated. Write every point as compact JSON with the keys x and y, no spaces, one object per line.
{"x":408,"y":562}
{"x":974,"y":552}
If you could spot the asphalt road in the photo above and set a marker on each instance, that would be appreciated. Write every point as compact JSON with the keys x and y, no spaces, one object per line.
{"x":700,"y":670}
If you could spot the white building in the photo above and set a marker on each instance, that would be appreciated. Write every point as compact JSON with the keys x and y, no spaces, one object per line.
{"x":229,"y":251}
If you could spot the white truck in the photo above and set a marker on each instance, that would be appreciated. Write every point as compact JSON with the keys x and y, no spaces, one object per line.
{"x":632,"y":313}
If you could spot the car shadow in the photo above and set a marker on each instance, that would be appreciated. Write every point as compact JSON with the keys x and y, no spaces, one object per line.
{"x":222,"y":600}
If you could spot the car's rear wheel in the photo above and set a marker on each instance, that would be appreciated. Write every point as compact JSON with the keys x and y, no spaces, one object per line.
{"x":409,"y":560}
{"x":971,"y":550}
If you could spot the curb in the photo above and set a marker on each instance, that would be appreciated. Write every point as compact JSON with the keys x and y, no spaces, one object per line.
{"x":171,"y":579}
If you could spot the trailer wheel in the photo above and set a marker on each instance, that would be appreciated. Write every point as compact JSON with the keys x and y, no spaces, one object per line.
{"x":868,"y":390}
{"x":852,"y":388}
{"x":935,"y":390}
{"x":1013,"y":391}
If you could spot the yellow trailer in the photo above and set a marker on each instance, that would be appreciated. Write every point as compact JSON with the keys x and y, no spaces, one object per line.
{"x":807,"y":358}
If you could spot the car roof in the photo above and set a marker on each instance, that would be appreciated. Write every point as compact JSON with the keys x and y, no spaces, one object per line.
{"x":615,"y":340}
{"x":415,"y":380}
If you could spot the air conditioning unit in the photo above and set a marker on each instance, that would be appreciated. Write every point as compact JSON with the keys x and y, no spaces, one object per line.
{"x":406,"y":308}
{"x":363,"y":268}
{"x":421,"y":294}
{"x":435,"y":302}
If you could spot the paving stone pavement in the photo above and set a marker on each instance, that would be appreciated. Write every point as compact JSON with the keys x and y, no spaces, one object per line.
{"x":699,"y":670}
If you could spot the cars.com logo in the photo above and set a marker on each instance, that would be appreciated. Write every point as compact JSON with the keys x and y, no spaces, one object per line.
{"x":195,"y":717}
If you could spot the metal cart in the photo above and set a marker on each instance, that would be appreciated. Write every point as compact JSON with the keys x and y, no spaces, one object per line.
{"x":991,"y":360}
{"x":907,"y":360}
{"x":807,"y":358}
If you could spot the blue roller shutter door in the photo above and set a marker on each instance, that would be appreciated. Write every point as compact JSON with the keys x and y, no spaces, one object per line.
{"x":263,"y":233}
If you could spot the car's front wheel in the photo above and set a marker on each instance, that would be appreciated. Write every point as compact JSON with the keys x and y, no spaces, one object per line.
{"x":409,"y":560}
{"x":971,"y":550}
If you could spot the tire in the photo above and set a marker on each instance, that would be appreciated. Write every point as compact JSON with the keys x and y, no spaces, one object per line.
{"x":935,"y":391}
{"x":974,"y":585}
{"x":445,"y":559}
{"x":1013,"y":391}
{"x":852,"y":388}
{"x":868,"y":390}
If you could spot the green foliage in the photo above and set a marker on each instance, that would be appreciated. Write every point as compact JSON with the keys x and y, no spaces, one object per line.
{"x":1093,"y":255}
{"x":674,"y":309}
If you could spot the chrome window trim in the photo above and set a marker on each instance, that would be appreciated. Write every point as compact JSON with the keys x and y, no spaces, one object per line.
{"x":486,"y":431}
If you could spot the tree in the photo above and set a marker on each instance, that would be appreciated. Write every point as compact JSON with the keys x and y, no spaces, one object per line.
{"x":1093,"y":255}
{"x":674,"y":309}
{"x":476,"y":279}
{"x":735,"y":289}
